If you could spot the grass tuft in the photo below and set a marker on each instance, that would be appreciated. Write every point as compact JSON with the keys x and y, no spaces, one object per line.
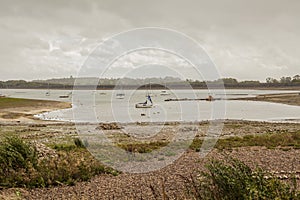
{"x":20,"y":166}
{"x":235,"y":180}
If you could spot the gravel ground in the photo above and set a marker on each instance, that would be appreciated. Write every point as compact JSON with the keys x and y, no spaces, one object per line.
{"x":137,"y":186}
{"x":281,"y":162}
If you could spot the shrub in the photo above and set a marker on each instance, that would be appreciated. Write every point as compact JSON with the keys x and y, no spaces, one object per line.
{"x":236,"y":180}
{"x":16,"y":158}
{"x":20,"y":166}
{"x":68,"y":169}
{"x":78,"y":143}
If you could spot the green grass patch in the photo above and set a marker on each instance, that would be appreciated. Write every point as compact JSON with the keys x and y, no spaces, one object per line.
{"x":8,"y":102}
{"x":16,"y":102}
{"x":271,"y":141}
{"x":144,"y":147}
{"x":74,"y":144}
{"x":196,"y":144}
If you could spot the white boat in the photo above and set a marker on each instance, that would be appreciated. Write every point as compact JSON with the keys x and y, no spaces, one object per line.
{"x":48,"y":91}
{"x":147,"y":104}
{"x":120,"y":96}
{"x":66,"y":96}
{"x":121,"y":93}
{"x":164,"y":93}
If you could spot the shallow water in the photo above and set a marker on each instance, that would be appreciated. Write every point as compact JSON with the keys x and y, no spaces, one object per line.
{"x":103,"y":106}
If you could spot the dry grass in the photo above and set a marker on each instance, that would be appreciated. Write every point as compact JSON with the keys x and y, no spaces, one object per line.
{"x":271,"y":140}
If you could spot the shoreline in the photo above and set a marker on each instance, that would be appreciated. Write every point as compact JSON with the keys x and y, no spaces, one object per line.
{"x":283,"y":98}
{"x":23,"y":110}
{"x":163,"y":88}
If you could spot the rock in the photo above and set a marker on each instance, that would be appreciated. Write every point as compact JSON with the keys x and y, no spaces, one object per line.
{"x":109,"y":126}
{"x":43,"y":150}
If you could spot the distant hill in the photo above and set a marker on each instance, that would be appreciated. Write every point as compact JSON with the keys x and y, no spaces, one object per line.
{"x":156,"y":83}
{"x":109,"y":81}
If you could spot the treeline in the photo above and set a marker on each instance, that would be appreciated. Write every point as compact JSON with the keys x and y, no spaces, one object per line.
{"x":21,"y":84}
{"x":234,"y":83}
{"x":284,"y":80}
{"x":153,"y":83}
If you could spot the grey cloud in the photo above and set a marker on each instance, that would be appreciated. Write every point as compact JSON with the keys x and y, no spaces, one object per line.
{"x":246,"y":39}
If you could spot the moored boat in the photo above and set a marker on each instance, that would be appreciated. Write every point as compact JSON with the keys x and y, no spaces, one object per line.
{"x":164,"y":93}
{"x":147,"y":104}
{"x":64,"y":96}
{"x":120,"y":95}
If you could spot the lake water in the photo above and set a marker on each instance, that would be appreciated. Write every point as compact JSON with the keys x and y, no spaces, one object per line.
{"x":104,"y":106}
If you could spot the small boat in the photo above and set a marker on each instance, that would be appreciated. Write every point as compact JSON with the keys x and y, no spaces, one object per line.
{"x":121,"y":93}
{"x":210,"y":98}
{"x":48,"y":91}
{"x":120,"y":96}
{"x":164,"y":93}
{"x":147,"y":104}
{"x":64,"y":96}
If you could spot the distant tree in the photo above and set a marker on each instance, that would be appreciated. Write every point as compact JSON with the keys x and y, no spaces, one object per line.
{"x":249,"y":83}
{"x":230,"y":81}
{"x":296,"y":77}
{"x":296,"y":80}
{"x":271,"y":80}
{"x":285,"y":80}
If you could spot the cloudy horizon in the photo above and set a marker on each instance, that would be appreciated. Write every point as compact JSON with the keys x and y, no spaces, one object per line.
{"x":247,"y":40}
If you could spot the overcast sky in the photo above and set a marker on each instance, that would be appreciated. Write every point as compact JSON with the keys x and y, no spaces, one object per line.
{"x":250,"y":39}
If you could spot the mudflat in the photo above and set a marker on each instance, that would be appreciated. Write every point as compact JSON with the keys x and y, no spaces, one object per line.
{"x":285,"y":98}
